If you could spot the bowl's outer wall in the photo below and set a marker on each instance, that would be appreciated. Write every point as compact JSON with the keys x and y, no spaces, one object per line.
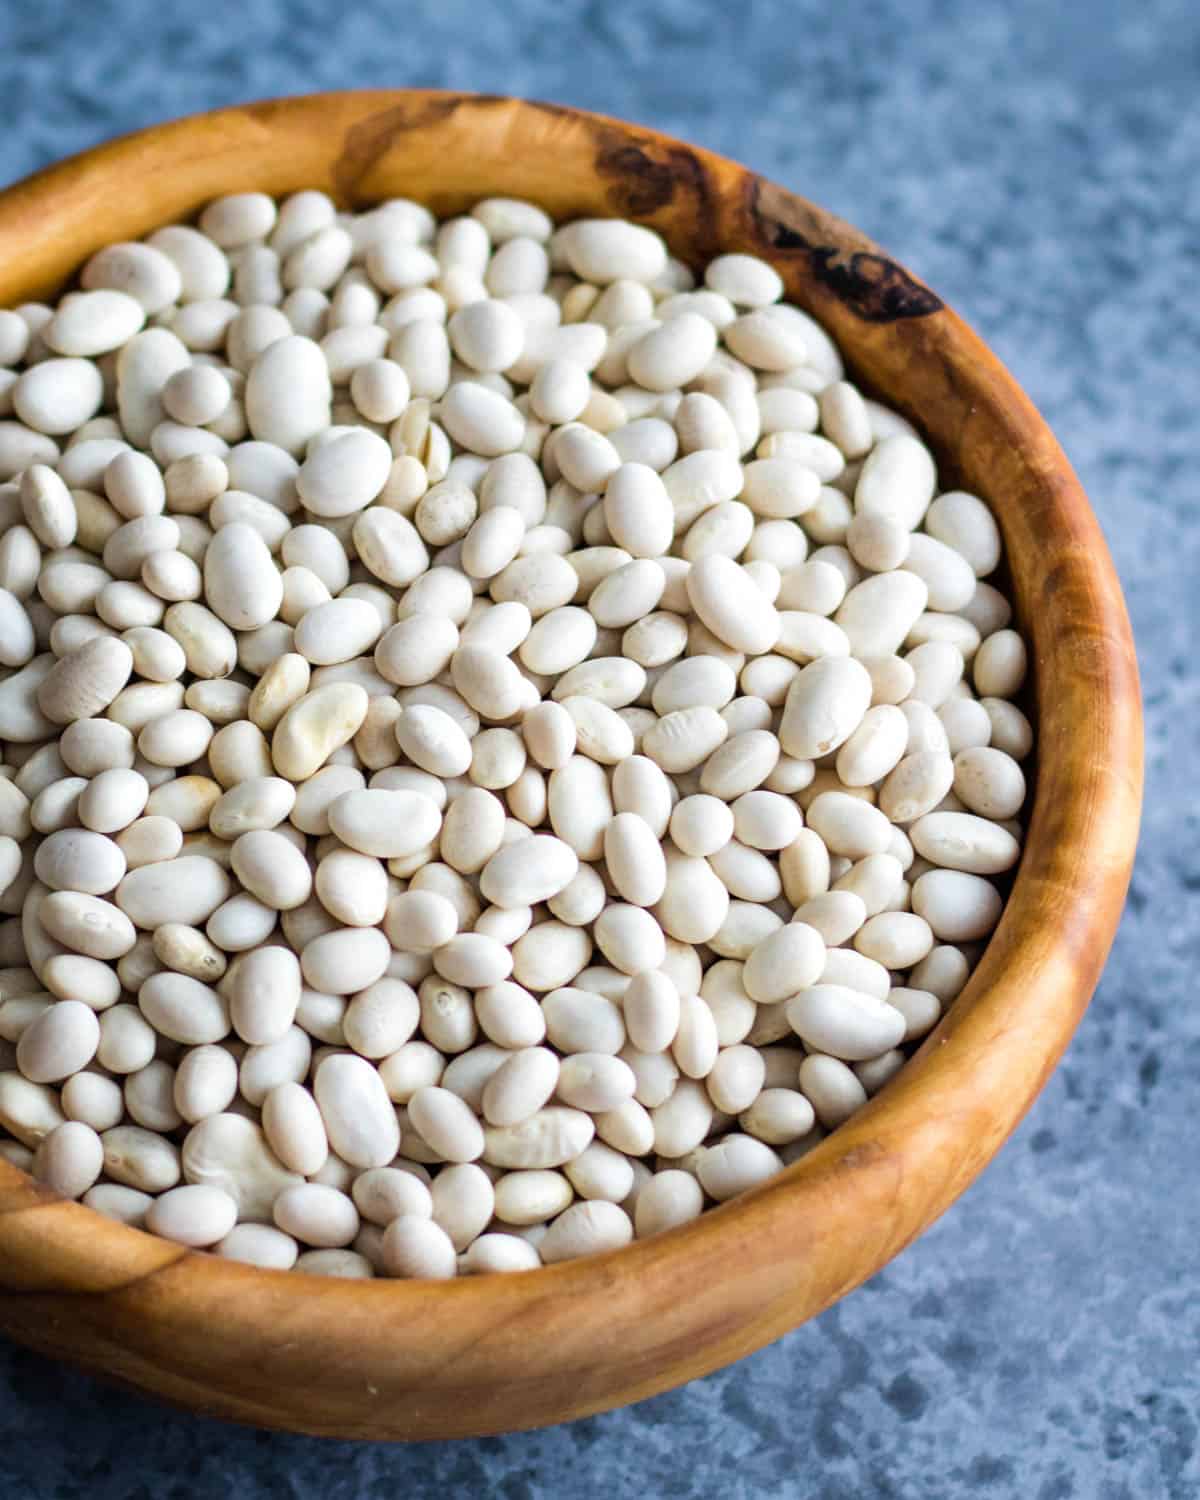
{"x":419,"y":1360}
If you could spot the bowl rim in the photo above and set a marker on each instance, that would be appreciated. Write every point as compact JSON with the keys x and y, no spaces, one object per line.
{"x":822,"y":1227}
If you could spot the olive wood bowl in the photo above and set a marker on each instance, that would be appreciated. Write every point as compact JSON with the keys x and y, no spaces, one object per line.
{"x":394,"y":1359}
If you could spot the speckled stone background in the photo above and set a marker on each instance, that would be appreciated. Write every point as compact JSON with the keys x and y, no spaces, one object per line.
{"x":1039,"y":165}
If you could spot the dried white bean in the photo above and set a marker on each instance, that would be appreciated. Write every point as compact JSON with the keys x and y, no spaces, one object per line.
{"x":612,"y":789}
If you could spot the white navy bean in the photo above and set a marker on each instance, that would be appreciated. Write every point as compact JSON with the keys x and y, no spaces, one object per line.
{"x":521,"y":1086}
{"x":825,"y":704}
{"x":878,"y":613}
{"x":259,"y":1245}
{"x":72,"y":976}
{"x":1011,"y":731}
{"x":948,"y":576}
{"x":463,"y":1202}
{"x":895,"y":939}
{"x":264,"y":991}
{"x":696,"y":1041}
{"x":473,"y":960}
{"x":897,"y":480}
{"x":963,"y":841}
{"x":601,"y":1173}
{"x":288,"y":393}
{"x":140,"y":1158}
{"x":531,"y":1196}
{"x":75,"y":859}
{"x":844,"y":1023}
{"x":921,"y":1010}
{"x":206,"y":1082}
{"x":586,"y":1229}
{"x":184,"y":1009}
{"x":358,"y":1115}
{"x":69,"y":1159}
{"x":382,"y":1194}
{"x":317,"y":1215}
{"x":124,"y":1204}
{"x":789,"y":959}
{"x":964,"y":522}
{"x":58,"y":1042}
{"x":446,"y":1124}
{"x":1000,"y":665}
{"x":417,"y":1247}
{"x":345,"y":960}
{"x":669,"y":1199}
{"x":958,"y":906}
{"x":607,"y":250}
{"x":989,"y":782}
{"x":735,"y":1165}
{"x":86,"y":924}
{"x":917,"y":785}
{"x":193,"y":1215}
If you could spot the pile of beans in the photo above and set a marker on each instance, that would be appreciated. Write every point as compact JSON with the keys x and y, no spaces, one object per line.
{"x":504,"y":747}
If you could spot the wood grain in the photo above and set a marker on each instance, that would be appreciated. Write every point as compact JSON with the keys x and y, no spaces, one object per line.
{"x":415,"y":1360}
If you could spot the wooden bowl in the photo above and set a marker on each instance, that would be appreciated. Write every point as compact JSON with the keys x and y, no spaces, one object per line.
{"x":389,"y":1359}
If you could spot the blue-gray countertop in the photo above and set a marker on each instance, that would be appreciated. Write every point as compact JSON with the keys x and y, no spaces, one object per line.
{"x":1039,"y":165}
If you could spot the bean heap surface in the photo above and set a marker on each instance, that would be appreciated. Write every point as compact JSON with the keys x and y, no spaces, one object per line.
{"x":503,"y":745}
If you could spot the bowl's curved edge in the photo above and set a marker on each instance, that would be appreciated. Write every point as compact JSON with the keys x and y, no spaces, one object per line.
{"x":540,"y":1347}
